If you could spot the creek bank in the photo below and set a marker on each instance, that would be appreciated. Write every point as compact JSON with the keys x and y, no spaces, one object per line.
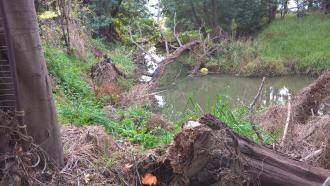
{"x":253,"y":68}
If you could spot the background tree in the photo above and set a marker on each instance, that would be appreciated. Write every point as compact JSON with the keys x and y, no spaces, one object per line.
{"x":108,"y":17}
{"x":248,"y":14}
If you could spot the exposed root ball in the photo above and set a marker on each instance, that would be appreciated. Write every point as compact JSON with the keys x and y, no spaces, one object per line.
{"x":104,"y":72}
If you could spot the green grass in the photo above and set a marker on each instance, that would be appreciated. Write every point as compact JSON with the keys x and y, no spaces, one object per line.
{"x":286,"y":46}
{"x":121,"y":55}
{"x":235,"y":118}
{"x":303,"y":41}
{"x":77,"y":104}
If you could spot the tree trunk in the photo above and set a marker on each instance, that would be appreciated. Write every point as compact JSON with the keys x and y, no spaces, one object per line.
{"x":35,"y":88}
{"x":209,"y":153}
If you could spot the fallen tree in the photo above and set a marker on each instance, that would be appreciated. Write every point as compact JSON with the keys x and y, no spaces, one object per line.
{"x":209,"y":153}
{"x":169,"y":59}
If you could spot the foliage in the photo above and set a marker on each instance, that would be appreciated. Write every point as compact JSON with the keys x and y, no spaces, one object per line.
{"x":134,"y":124}
{"x":193,"y":14}
{"x":111,"y":18}
{"x":77,"y":104}
{"x":47,"y":15}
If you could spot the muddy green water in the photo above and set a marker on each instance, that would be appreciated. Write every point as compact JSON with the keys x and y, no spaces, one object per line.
{"x":237,"y":90}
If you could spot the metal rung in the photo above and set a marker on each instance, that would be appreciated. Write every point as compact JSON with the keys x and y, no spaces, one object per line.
{"x":6,"y":83}
{"x":6,"y":101}
{"x":7,"y":106}
{"x":7,"y":95}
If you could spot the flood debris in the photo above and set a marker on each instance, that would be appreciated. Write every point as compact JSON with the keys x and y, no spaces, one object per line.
{"x":305,"y":105}
{"x":212,"y":154}
{"x":307,"y":137}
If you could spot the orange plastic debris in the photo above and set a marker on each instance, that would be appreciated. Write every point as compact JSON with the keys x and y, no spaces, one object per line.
{"x":149,"y":179}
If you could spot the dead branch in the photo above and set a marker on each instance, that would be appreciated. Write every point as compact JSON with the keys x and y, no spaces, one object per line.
{"x":285,"y":133}
{"x":161,"y":28}
{"x":254,"y":127}
{"x":312,"y":155}
{"x":169,"y":59}
{"x":174,"y":31}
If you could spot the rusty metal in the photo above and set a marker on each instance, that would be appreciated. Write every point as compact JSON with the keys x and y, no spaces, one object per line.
{"x":8,"y":73}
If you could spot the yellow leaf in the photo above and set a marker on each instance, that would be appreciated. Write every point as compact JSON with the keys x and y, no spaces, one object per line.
{"x":149,"y":179}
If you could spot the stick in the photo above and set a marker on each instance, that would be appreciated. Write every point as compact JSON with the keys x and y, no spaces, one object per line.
{"x":161,"y":28}
{"x":254,"y":127}
{"x":285,"y":133}
{"x":258,"y":94}
{"x":312,"y":155}
{"x":174,"y":30}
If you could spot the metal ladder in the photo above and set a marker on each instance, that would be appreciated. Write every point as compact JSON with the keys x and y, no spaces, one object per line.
{"x":9,"y":93}
{"x":7,"y":89}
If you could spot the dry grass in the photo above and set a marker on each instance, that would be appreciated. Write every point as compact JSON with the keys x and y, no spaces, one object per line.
{"x":107,"y":89}
{"x":138,"y":94}
{"x":91,"y":152}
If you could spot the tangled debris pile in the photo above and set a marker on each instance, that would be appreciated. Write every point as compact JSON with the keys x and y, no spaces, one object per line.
{"x":309,"y":123}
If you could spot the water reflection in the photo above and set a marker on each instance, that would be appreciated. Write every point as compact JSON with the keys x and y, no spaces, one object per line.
{"x":205,"y":90}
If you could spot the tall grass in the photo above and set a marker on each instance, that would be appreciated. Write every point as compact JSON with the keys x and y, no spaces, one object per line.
{"x":235,"y":118}
{"x":304,"y":41}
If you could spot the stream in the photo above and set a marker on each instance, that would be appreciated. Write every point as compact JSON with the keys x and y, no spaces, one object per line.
{"x":205,"y":90}
{"x":177,"y":88}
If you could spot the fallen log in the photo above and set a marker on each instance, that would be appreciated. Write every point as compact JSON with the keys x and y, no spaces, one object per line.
{"x":169,"y":59}
{"x":209,"y":153}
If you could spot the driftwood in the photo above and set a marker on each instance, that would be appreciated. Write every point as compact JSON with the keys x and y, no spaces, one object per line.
{"x":209,"y":153}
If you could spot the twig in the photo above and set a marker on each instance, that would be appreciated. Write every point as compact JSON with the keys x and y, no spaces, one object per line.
{"x":254,"y":127}
{"x":285,"y":133}
{"x":174,"y":30}
{"x":161,"y":28}
{"x":136,"y":170}
{"x":312,"y":155}
{"x":258,"y":94}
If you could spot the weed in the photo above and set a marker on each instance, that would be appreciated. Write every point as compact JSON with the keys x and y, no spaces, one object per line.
{"x":235,"y":118}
